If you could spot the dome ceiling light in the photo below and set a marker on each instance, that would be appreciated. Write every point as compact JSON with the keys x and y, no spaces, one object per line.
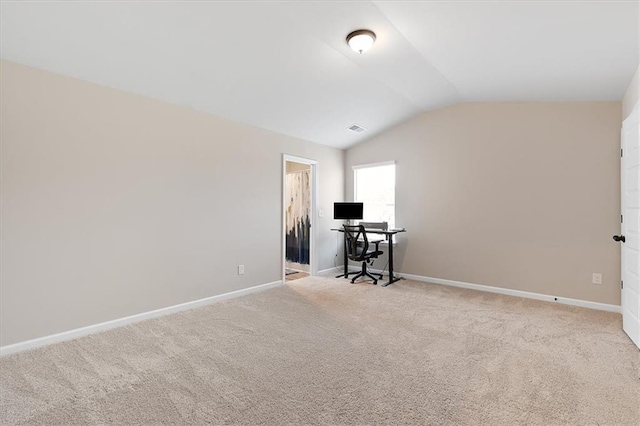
{"x":361,"y":40}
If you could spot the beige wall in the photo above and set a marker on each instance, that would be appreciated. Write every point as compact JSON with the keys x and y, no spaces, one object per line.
{"x":523,"y":196}
{"x":632,"y":96}
{"x":115,"y":204}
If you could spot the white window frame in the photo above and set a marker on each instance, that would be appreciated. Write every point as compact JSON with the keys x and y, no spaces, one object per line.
{"x":371,"y":165}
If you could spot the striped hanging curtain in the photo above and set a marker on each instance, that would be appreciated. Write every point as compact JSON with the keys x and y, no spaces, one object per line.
{"x":298,"y":226}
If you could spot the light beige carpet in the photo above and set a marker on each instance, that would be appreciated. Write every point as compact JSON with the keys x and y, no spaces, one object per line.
{"x":322,"y":351}
{"x":296,"y":276}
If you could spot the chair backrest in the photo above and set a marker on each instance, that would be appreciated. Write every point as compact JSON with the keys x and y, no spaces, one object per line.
{"x":356,"y":243}
{"x":376,"y":225}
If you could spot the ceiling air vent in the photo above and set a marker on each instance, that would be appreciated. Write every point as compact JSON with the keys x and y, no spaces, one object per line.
{"x":357,"y":129}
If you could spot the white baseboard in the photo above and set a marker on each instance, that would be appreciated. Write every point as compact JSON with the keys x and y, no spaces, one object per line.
{"x":330,"y":271}
{"x":500,"y":290}
{"x":516,"y":293}
{"x":120,"y":322}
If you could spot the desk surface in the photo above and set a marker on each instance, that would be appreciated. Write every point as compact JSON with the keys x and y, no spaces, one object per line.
{"x":377,"y":231}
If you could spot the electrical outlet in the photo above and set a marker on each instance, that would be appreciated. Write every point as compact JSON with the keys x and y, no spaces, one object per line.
{"x":321,"y":213}
{"x":240,"y":269}
{"x":596,"y":278}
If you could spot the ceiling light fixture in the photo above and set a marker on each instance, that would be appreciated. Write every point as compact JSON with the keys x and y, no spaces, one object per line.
{"x":361,"y":40}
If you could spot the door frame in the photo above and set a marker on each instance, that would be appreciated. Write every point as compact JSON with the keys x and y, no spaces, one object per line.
{"x":633,"y":119}
{"x":313,"y":264}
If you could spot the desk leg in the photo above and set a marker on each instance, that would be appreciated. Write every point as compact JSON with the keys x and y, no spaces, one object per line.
{"x":344,"y":259}
{"x":392,"y":279}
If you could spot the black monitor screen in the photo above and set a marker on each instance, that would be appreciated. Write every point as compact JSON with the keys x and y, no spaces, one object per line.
{"x":347,"y":210}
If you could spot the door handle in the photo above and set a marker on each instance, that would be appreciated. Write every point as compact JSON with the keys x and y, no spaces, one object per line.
{"x":619,"y":238}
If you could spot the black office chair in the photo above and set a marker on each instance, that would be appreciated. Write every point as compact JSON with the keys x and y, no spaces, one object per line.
{"x":357,"y":248}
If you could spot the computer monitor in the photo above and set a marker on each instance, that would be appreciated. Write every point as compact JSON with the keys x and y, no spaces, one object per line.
{"x":347,"y":211}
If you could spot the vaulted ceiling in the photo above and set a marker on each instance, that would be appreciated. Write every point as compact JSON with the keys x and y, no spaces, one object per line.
{"x":285,"y":66}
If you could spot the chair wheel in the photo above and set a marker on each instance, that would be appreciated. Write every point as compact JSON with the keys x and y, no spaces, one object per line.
{"x":375,"y":282}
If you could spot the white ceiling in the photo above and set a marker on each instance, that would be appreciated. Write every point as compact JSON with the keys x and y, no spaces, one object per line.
{"x":285,"y":66}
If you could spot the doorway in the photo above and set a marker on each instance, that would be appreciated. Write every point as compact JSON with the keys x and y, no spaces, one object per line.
{"x":298,"y":207}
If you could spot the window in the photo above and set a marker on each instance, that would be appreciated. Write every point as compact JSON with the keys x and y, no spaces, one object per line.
{"x":375,"y":186}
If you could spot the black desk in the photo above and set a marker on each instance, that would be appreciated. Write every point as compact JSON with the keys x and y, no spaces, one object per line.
{"x":389,"y":237}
